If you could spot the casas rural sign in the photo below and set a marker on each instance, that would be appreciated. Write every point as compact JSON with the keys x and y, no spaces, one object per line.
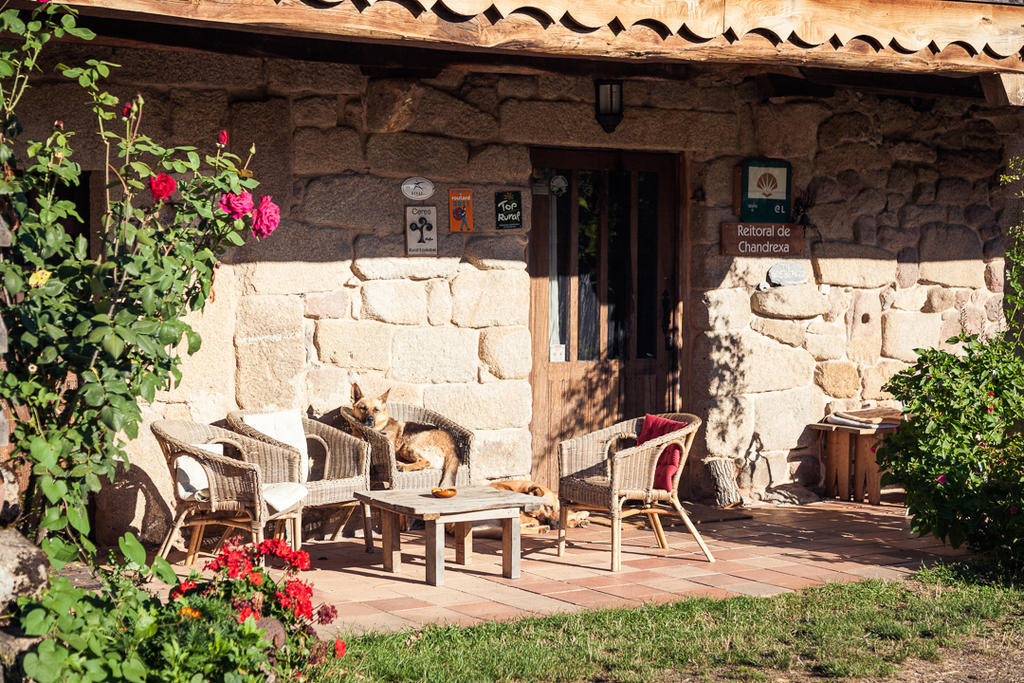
{"x":762,"y":239}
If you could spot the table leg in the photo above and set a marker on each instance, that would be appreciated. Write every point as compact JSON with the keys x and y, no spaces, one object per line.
{"x":839,"y":451}
{"x":391,"y":544}
{"x":464,"y":542}
{"x":435,"y":552}
{"x":510,"y":547}
{"x":866,"y":470}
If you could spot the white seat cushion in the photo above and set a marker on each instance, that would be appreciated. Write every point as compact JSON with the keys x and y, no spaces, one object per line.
{"x":190,"y":476}
{"x":284,"y":426}
{"x":283,"y":495}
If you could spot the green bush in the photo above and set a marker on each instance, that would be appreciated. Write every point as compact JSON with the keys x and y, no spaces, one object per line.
{"x":960,"y":453}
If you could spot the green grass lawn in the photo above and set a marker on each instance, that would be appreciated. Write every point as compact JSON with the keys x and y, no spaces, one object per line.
{"x":838,"y":630}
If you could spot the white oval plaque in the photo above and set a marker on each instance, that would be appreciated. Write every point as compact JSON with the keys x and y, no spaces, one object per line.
{"x":417,"y":188}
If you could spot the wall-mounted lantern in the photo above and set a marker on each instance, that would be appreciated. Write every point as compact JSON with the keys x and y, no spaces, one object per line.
{"x":608,"y":104}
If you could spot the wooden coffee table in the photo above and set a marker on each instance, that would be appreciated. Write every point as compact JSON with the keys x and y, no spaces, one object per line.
{"x":470,"y":504}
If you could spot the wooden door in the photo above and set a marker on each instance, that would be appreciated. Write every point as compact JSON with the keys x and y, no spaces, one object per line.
{"x":604,"y":295}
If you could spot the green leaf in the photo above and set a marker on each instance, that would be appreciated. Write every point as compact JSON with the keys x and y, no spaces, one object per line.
{"x":37,"y":622}
{"x":163,"y":571}
{"x":59,"y":551}
{"x":78,"y":518}
{"x":148,"y":299}
{"x":111,"y":418}
{"x":133,"y":669}
{"x":132,"y":549}
{"x":54,"y":489}
{"x":113,"y":345}
{"x":194,"y":341}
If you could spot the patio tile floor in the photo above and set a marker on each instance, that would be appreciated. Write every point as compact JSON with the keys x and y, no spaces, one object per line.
{"x":779,"y":550}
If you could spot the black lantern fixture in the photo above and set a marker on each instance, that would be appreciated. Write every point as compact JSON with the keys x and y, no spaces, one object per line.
{"x":608,"y":104}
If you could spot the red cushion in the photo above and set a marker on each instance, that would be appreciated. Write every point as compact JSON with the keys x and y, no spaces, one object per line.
{"x":668,"y":461}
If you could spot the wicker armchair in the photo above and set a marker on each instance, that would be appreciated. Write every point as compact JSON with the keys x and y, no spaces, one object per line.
{"x":252,"y":484}
{"x":384,"y":470}
{"x":346,"y":464}
{"x":592,"y":476}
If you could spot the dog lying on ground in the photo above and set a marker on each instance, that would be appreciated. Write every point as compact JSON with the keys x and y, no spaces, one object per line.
{"x":416,"y":446}
{"x":539,"y":521}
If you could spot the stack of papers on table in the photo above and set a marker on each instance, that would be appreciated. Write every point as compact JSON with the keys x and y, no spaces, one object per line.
{"x":870,"y":418}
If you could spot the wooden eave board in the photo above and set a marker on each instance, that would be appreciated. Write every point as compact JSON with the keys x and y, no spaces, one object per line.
{"x":891,"y":35}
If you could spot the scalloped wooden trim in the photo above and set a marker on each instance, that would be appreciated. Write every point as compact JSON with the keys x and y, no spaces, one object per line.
{"x":933,"y":35}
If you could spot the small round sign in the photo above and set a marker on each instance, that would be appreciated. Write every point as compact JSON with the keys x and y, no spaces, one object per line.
{"x":417,"y":188}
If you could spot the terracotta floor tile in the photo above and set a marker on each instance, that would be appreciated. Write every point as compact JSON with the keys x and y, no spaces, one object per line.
{"x":709,"y":592}
{"x":491,"y":611}
{"x":593,"y":599}
{"x":439,"y":615}
{"x":758,"y":589}
{"x":633,"y":591}
{"x":806,"y":571}
{"x":396,"y":604}
{"x":717,"y":580}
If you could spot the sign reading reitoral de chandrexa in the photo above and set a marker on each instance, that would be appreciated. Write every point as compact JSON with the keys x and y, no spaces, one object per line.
{"x":762,"y":239}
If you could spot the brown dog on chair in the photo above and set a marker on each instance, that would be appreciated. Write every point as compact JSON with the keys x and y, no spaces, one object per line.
{"x":416,"y":446}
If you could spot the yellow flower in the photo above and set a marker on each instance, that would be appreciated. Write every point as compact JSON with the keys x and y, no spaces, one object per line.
{"x":39,"y":278}
{"x":189,"y":613}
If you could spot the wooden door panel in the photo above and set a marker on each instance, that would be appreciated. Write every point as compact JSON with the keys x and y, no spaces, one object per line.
{"x":626,"y":205}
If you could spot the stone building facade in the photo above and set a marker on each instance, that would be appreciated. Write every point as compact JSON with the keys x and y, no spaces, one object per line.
{"x":905,"y":246}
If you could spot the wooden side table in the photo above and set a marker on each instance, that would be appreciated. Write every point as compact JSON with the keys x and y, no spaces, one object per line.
{"x":470,"y":504}
{"x":849,"y":459}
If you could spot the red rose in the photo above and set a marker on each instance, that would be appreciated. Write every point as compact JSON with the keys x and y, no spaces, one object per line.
{"x":222,"y":138}
{"x":162,"y":186}
{"x":339,"y":647}
{"x":237,"y":205}
{"x":265,"y":218}
{"x":126,"y":109}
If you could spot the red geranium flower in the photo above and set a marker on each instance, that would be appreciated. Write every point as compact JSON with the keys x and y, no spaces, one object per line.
{"x":162,"y":186}
{"x":256,"y":578}
{"x":339,"y":647}
{"x":182,"y":588}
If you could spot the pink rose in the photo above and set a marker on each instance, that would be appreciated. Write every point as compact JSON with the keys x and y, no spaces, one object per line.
{"x":941,"y":478}
{"x":162,"y":186}
{"x":265,"y":218}
{"x":237,"y":205}
{"x":222,"y":138}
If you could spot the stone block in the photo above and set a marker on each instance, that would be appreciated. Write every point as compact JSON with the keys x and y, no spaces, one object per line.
{"x":860,"y":157}
{"x":501,"y":454}
{"x":270,"y":372}
{"x":795,"y":302}
{"x":354,"y":344}
{"x":296,"y":259}
{"x":952,"y":255}
{"x":197,"y":116}
{"x":864,"y":328}
{"x":265,"y":124}
{"x":319,"y":112}
{"x":421,"y":355}
{"x":896,"y":238}
{"x":902,"y":332}
{"x":972,"y":164}
{"x":729,"y":428}
{"x":781,"y":417}
{"x":747,"y":362}
{"x":491,"y":297}
{"x":506,"y":351}
{"x":439,"y":302}
{"x":383,"y":258}
{"x":853,"y":265}
{"x":938,"y":299}
{"x":359,"y":202}
{"x":500,"y":164}
{"x":718,"y":178}
{"x":324,"y":151}
{"x":916,"y":216}
{"x":328,"y":388}
{"x":785,"y":331}
{"x":497,"y":253}
{"x":907,"y":274}
{"x":495,"y":405}
{"x":293,"y":76}
{"x":722,"y":309}
{"x":787,"y":273}
{"x":437,"y":113}
{"x":399,"y":155}
{"x":401,"y":302}
{"x":834,"y":221}
{"x":912,"y":299}
{"x":825,"y":346}
{"x":389,"y":104}
{"x":994,"y":274}
{"x":847,"y":127}
{"x":838,"y":378}
{"x":24,"y":569}
{"x":336,"y":304}
{"x":994,"y":308}
{"x":774,"y":125}
{"x":952,"y":191}
{"x":268,"y":317}
{"x":876,"y":376}
{"x":907,"y":150}
{"x":167,"y":68}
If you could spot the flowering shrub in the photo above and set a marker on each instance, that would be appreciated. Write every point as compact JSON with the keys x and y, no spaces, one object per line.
{"x":239,"y":624}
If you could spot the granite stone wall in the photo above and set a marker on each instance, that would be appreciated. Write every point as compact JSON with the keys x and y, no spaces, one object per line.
{"x":898,"y":187}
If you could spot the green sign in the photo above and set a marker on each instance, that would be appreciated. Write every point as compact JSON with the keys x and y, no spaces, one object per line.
{"x":508,"y":209}
{"x":765,"y":191}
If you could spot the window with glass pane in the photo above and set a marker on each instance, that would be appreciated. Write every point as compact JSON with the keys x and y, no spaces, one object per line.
{"x":558,"y":278}
{"x":589,"y":262}
{"x":620,"y":263}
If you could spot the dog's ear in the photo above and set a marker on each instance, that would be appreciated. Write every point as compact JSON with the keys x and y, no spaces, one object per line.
{"x":357,"y":393}
{"x":384,"y":397}
{"x":535,"y":491}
